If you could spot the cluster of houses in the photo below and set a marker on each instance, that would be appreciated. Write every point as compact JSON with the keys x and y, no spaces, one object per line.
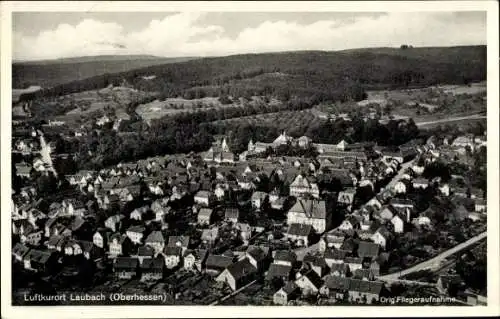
{"x":135,"y":200}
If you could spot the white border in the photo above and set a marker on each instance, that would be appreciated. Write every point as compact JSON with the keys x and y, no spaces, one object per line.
{"x":493,"y":308}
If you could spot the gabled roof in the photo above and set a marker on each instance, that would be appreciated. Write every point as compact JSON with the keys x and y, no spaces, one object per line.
{"x":290,"y":287}
{"x":313,"y":278}
{"x":276,"y":270}
{"x":155,"y":236}
{"x":218,"y":261}
{"x":299,"y":230}
{"x":241,"y":268}
{"x":335,"y":254}
{"x":172,"y":251}
{"x":126,"y":263}
{"x":152,"y":264}
{"x":368,"y":249}
{"x":182,"y":240}
{"x":285,"y":255}
{"x":145,"y":251}
{"x":311,"y":208}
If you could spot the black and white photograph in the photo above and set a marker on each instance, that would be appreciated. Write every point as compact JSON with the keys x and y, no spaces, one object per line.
{"x":204,"y":156}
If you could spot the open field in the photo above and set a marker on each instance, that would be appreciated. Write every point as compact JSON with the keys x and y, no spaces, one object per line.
{"x":157,"y":109}
{"x":285,"y":120}
{"x":116,"y":98}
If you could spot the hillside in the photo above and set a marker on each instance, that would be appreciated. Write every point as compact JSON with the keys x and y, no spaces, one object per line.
{"x":316,"y":75}
{"x":48,"y":73}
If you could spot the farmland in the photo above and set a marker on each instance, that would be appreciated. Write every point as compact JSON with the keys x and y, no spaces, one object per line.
{"x":157,"y":109}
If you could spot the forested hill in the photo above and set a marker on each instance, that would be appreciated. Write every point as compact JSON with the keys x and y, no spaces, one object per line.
{"x":48,"y":73}
{"x":322,"y":75}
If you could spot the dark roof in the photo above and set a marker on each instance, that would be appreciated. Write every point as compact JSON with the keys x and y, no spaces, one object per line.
{"x":353,"y":260}
{"x":342,"y":268}
{"x":155,"y":236}
{"x":362,"y":273}
{"x":183,"y":240}
{"x":290,"y":287}
{"x":285,"y":255}
{"x":335,"y":254}
{"x":145,"y":251}
{"x":241,"y":268}
{"x":172,"y":251}
{"x":314,"y":278}
{"x":337,"y":283}
{"x":299,"y":229}
{"x":276,"y":270}
{"x":368,"y":249}
{"x":311,"y":208}
{"x":256,"y":253}
{"x":152,"y":263}
{"x":126,"y":262}
{"x":218,"y":261}
{"x":20,"y":249}
{"x":373,"y":287}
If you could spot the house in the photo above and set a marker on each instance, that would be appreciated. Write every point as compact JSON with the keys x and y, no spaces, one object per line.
{"x":258,"y":256}
{"x":125,"y":267}
{"x":368,"y":250}
{"x":387,"y":212}
{"x":73,"y":248}
{"x":353,"y":263}
{"x":310,"y":212}
{"x":204,"y":198}
{"x":39,"y":260}
{"x":401,"y":186}
{"x":309,"y":282}
{"x":179,"y":241}
{"x":365,"y":291}
{"x":341,"y":270}
{"x":258,"y":199}
{"x":363,"y":274}
{"x":210,"y":236}
{"x":139,"y":213}
{"x":156,"y":240}
{"x":231,"y":214}
{"x":398,"y":223}
{"x":317,"y":264}
{"x":245,"y":231}
{"x":215,"y":264}
{"x":302,"y":186}
{"x":114,"y":222}
{"x":346,"y":197}
{"x":335,"y":287}
{"x":446,"y":283}
{"x":287,"y":293}
{"x":23,"y":170}
{"x":145,"y":252}
{"x":284,"y":257}
{"x":56,"y":243}
{"x":299,"y":233}
{"x":119,"y":245}
{"x":33,"y":237}
{"x":195,"y":259}
{"x":152,"y":269}
{"x":281,"y":272}
{"x":238,"y":274}
{"x":282,"y":139}
{"x":480,"y":205}
{"x":101,"y":237}
{"x":334,"y":256}
{"x":421,"y":183}
{"x":136,"y":234}
{"x":205,"y":216}
{"x":351,"y":222}
{"x":382,"y":237}
{"x":172,"y":256}
{"x":19,"y":251}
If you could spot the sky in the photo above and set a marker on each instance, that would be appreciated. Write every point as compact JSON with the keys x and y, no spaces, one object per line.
{"x":52,"y":35}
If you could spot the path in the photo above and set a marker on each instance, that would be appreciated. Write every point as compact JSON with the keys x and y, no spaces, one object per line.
{"x":453,"y":119}
{"x":435,"y":261}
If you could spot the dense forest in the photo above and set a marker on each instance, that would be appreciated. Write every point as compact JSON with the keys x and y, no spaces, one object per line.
{"x":55,"y":72}
{"x":338,"y":76}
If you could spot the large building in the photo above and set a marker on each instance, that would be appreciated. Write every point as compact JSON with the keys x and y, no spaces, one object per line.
{"x":219,"y":153}
{"x":302,"y":186}
{"x":310,"y":212}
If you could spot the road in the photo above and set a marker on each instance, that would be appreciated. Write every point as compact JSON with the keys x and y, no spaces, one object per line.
{"x":399,"y":175}
{"x":435,"y":261}
{"x":453,"y":119}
